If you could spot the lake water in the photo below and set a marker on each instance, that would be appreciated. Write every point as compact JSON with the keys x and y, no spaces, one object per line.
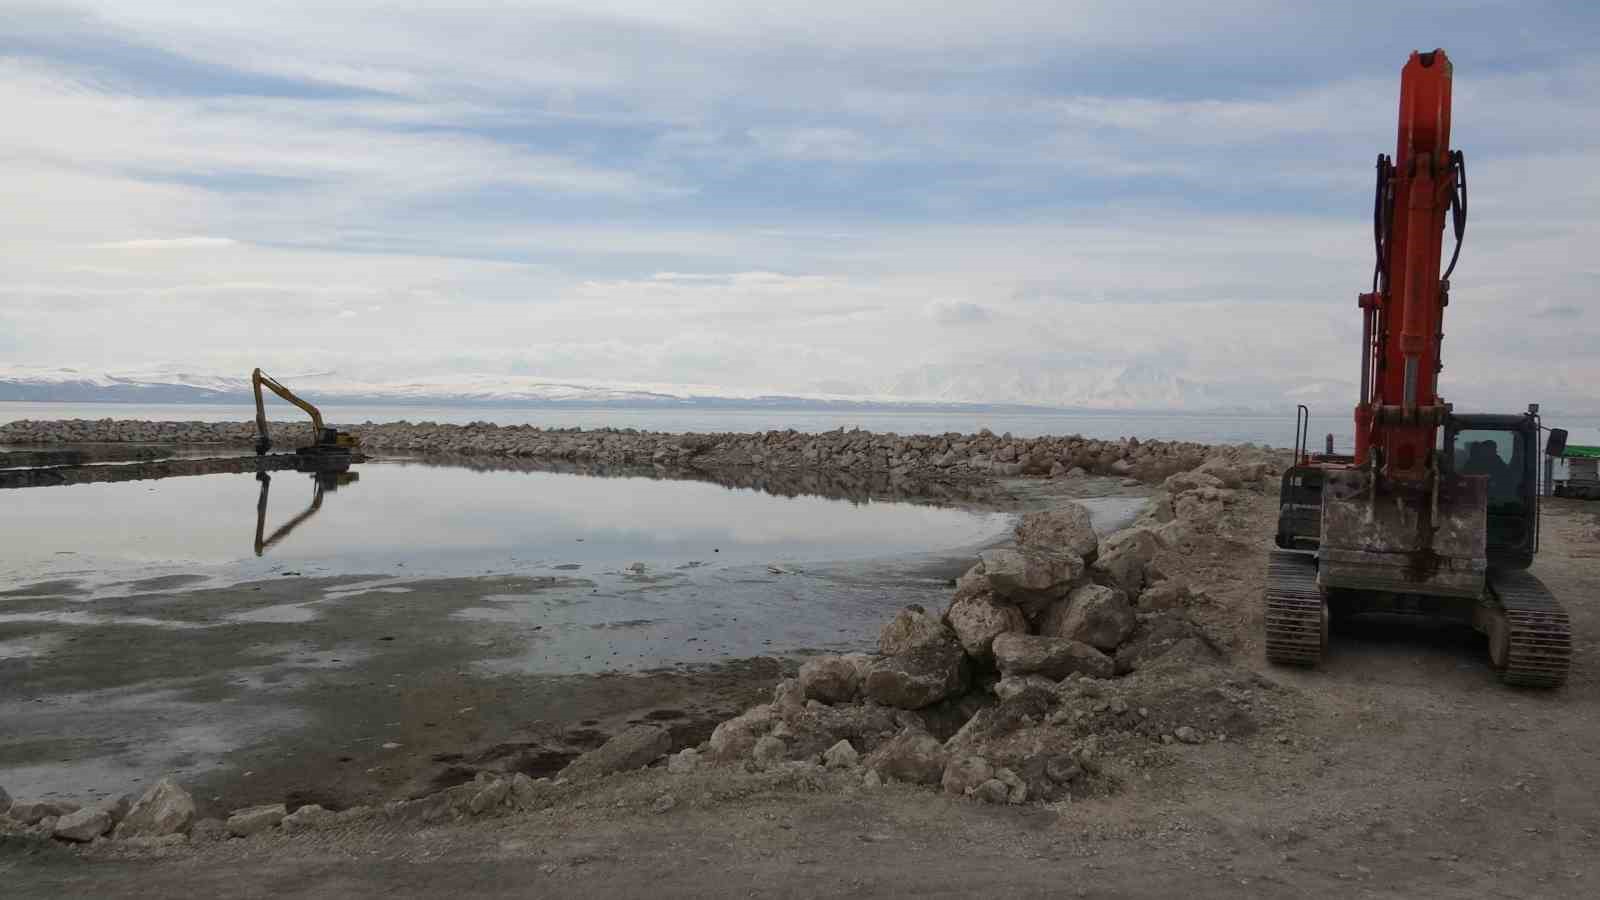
{"x":651,"y":571}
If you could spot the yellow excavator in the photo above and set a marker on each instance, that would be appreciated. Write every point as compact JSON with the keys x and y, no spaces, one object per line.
{"x":325,"y":442}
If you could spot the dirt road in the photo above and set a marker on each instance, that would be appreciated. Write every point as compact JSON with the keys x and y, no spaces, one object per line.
{"x":1407,"y":771}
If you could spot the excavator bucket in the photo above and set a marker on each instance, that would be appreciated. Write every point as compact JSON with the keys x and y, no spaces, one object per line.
{"x":1381,"y":535}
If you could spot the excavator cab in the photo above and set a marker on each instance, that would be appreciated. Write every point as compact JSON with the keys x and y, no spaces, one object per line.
{"x":1503,"y":449}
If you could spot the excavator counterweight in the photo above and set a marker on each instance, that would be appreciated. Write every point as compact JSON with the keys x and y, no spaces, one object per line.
{"x":1436,"y":513}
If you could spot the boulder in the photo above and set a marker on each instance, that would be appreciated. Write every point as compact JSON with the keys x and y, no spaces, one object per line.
{"x":635,"y":748}
{"x":1192,"y":480}
{"x":1124,"y":557}
{"x":910,"y":627}
{"x":1223,"y":471}
{"x":526,"y":793}
{"x":787,"y":695}
{"x":1094,"y":614}
{"x":1032,"y":579}
{"x":841,"y":756}
{"x":1068,"y":528}
{"x":32,"y":812}
{"x":83,"y":826}
{"x":166,"y":808}
{"x":831,"y":679}
{"x":734,"y":738}
{"x":811,"y":731}
{"x":1052,"y":657}
{"x":918,"y":677}
{"x":1200,"y":510}
{"x":977,"y":618}
{"x":311,"y":816}
{"x":1013,"y":686}
{"x":492,"y":795}
{"x":992,"y":791}
{"x":963,"y":774}
{"x":912,"y":756}
{"x":684,"y":761}
{"x":1158,"y":510}
{"x":769,"y":751}
{"x":256,"y":819}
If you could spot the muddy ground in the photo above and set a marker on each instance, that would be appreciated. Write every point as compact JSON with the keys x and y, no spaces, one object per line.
{"x":1406,"y":770}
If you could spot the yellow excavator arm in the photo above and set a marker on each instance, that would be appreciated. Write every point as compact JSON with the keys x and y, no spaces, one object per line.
{"x":320,"y":438}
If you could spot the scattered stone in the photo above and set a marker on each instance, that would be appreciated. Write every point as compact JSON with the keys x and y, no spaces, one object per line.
{"x":788,"y":695}
{"x":911,"y":627}
{"x":1187,"y":735}
{"x":308,"y":817}
{"x":992,"y":791}
{"x":912,"y":756}
{"x":683,"y":762}
{"x":164,"y":809}
{"x":32,"y":812}
{"x":256,"y":819}
{"x":831,"y":679}
{"x":82,"y":826}
{"x":1093,"y":614}
{"x":841,"y":756}
{"x":663,"y":804}
{"x":635,"y":748}
{"x":964,"y":774}
{"x":736,"y":737}
{"x":1066,"y":529}
{"x":1051,"y":657}
{"x":769,"y":751}
{"x":492,"y":795}
{"x":527,"y":793}
{"x":871,"y":779}
{"x":918,"y":677}
{"x":1062,"y":768}
{"x":156,"y":841}
{"x":1124,"y":556}
{"x":978,"y":618}
{"x":1013,"y":686}
{"x":1016,"y":788}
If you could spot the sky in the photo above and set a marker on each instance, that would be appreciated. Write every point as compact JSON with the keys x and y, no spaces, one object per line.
{"x":1045,"y":201}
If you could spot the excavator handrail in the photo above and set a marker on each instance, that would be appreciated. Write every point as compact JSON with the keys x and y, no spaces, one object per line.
{"x":263,"y":441}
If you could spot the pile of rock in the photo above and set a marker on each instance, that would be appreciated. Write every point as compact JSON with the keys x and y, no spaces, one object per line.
{"x":948,"y":456}
{"x":162,"y":814}
{"x":1050,"y":656}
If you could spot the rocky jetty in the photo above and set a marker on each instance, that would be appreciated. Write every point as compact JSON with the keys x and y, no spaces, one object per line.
{"x":927,"y":457}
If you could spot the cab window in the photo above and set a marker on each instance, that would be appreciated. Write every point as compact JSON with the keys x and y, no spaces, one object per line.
{"x":1497,"y":454}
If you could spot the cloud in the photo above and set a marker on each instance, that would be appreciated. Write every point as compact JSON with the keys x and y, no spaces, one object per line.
{"x":768,"y":197}
{"x":181,"y":243}
{"x":950,"y":312}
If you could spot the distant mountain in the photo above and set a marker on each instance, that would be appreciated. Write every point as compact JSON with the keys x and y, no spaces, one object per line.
{"x":1056,"y":386}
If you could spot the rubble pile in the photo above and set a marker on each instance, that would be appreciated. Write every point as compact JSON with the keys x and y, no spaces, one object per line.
{"x":948,"y":456}
{"x":1058,"y":666}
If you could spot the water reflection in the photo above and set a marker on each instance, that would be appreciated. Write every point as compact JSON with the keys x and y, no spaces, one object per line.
{"x":322,"y":481}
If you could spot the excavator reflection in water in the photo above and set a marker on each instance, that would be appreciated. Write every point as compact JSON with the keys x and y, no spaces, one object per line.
{"x":324,"y":479}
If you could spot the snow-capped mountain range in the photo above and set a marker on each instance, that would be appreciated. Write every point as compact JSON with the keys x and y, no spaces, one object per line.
{"x":1128,"y":388}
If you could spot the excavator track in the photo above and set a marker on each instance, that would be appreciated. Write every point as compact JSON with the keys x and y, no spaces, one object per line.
{"x":1296,"y":617}
{"x":1538,"y":633}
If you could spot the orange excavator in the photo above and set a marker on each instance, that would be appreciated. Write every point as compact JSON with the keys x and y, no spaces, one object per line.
{"x":1436,"y":513}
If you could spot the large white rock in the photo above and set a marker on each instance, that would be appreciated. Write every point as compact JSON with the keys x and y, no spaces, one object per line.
{"x":166,"y":808}
{"x":917,"y":678}
{"x":635,"y":748}
{"x":1093,"y":614}
{"x":1030,"y":578}
{"x":84,"y":825}
{"x":1124,"y":557}
{"x":256,"y":819}
{"x":1052,"y":657}
{"x":978,"y":618}
{"x":1068,"y":528}
{"x":911,"y":756}
{"x":963,"y":774}
{"x":732,"y":739}
{"x":910,"y":627}
{"x":831,"y":679}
